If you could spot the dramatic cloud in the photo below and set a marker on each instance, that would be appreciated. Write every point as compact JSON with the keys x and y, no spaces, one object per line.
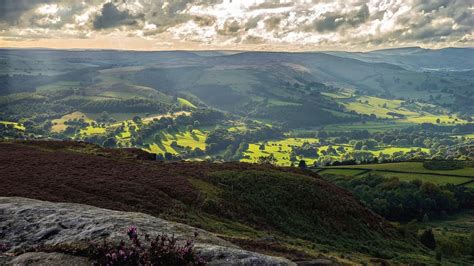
{"x":331,"y":21}
{"x":110,"y":17}
{"x":262,"y":24}
{"x":12,"y":10}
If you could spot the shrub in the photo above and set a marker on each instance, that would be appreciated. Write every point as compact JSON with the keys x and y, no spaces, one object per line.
{"x":443,"y":165}
{"x":427,"y":238}
{"x":161,"y":250}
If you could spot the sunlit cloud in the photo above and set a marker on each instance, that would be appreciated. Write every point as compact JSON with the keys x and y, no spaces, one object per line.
{"x":283,"y":24}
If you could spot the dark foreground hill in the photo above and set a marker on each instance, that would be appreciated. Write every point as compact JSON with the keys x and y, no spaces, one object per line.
{"x":277,"y":211}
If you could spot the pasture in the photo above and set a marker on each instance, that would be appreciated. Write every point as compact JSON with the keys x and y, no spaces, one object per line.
{"x":412,"y":167}
{"x":17,"y":126}
{"x":405,"y":171}
{"x":282,"y":149}
{"x":59,"y":124}
{"x":378,"y":106}
{"x":369,"y":126}
{"x":187,"y":103}
{"x":91,"y":130}
{"x":183,"y":138}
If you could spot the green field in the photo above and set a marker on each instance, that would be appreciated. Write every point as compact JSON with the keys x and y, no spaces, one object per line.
{"x":429,"y":118}
{"x":15,"y":125}
{"x":436,"y":179}
{"x":59,"y":126}
{"x":378,"y":106}
{"x":409,"y":171}
{"x":281,"y":150}
{"x":369,"y":126}
{"x":345,"y":172}
{"x":60,"y":85}
{"x":194,"y":140}
{"x":381,"y":107}
{"x":91,"y":130}
{"x":412,"y":167}
{"x":274,"y":102}
{"x":469,"y":136}
{"x":185,"y":102}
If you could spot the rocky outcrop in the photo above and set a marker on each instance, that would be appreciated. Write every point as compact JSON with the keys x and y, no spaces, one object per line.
{"x":28,"y":223}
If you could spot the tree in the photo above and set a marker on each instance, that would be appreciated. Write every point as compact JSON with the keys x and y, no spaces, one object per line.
{"x":109,"y":143}
{"x":228,"y":153}
{"x":104,"y":117}
{"x":157,"y":138}
{"x":427,"y":238}
{"x":267,"y":159}
{"x":358,"y":145}
{"x":341,"y":149}
{"x":321,"y":134}
{"x":438,"y":121}
{"x":168,"y":156}
{"x":426,"y":218}
{"x":302,"y":164}
{"x":137,"y":119}
{"x":160,"y":157}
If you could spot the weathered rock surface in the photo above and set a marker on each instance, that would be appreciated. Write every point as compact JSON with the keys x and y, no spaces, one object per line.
{"x":27,"y":223}
{"x":50,"y":259}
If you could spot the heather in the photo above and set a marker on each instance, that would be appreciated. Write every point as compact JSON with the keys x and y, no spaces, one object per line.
{"x":146,"y":250}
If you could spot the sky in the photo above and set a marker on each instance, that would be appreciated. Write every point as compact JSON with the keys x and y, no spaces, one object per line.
{"x":274,"y":25}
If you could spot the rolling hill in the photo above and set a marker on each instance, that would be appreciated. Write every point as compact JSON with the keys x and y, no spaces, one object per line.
{"x":277,"y":211}
{"x":247,"y":83}
{"x":419,"y":59}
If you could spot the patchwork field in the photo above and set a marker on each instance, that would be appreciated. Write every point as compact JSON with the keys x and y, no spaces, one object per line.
{"x":183,"y":138}
{"x":406,"y":171}
{"x":386,"y":108}
{"x":59,"y":124}
{"x":282,"y":149}
{"x":380,"y":107}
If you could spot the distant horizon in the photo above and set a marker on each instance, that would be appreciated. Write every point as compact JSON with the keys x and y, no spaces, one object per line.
{"x":233,"y":50}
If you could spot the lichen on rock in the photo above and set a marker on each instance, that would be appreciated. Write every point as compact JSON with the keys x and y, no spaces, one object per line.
{"x":28,"y":223}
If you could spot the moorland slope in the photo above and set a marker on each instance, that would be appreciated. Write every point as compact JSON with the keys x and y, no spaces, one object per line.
{"x":277,"y":211}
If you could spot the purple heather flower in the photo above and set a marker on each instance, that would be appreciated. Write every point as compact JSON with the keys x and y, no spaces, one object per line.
{"x":132,"y":232}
